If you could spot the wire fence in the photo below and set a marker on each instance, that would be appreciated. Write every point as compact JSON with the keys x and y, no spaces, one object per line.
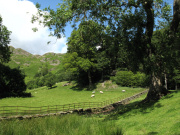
{"x":25,"y":110}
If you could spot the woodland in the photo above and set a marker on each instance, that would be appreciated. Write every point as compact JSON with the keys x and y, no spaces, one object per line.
{"x":134,"y":40}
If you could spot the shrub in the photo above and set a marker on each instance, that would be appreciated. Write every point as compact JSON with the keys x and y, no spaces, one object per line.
{"x":11,"y":82}
{"x":50,"y":80}
{"x":129,"y":79}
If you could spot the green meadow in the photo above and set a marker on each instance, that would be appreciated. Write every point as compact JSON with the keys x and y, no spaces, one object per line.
{"x":60,"y":95}
{"x":157,"y":118}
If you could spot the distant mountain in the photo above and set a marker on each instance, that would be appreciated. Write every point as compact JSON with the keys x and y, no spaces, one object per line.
{"x":30,"y":63}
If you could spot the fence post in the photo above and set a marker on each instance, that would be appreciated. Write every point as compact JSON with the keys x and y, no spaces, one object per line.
{"x":40,"y":110}
{"x":3,"y":110}
{"x":16,"y":110}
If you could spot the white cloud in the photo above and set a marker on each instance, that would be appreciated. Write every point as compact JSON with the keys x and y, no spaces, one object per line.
{"x":17,"y":18}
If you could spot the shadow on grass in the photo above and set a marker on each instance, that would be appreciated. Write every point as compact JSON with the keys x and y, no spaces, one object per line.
{"x":81,"y":88}
{"x":22,"y":95}
{"x":52,"y":87}
{"x":152,"y":133}
{"x":132,"y":109}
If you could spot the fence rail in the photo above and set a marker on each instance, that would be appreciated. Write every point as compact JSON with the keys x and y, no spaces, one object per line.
{"x":24,"y":110}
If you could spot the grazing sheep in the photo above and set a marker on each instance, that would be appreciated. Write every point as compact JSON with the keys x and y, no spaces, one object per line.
{"x":93,"y":92}
{"x":92,"y":96}
{"x":101,"y":92}
{"x":123,"y":90}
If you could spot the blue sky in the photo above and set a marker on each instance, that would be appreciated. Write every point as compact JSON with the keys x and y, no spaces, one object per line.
{"x":53,"y":4}
{"x":17,"y":16}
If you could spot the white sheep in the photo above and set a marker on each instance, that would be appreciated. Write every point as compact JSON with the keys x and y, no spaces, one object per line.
{"x":92,"y":96}
{"x":123,"y":90}
{"x":101,"y":92}
{"x":93,"y":92}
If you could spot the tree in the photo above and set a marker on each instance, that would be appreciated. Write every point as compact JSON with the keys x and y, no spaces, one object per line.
{"x":83,"y":43}
{"x":4,"y":41}
{"x":11,"y":82}
{"x":176,"y":16}
{"x":42,"y":71}
{"x":50,"y":80}
{"x":138,"y":20}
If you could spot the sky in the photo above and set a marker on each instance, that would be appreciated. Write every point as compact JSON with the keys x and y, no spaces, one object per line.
{"x":17,"y":15}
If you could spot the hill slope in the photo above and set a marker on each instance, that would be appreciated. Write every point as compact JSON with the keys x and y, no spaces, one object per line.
{"x":160,"y":118}
{"x":30,"y":63}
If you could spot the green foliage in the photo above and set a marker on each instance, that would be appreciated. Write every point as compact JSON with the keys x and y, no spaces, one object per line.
{"x":62,"y":75}
{"x":129,"y":79}
{"x":82,"y":49}
{"x":11,"y":82}
{"x":124,"y":33}
{"x":50,"y":80}
{"x":31,"y":84}
{"x":4,"y":41}
{"x":42,"y":71}
{"x":47,"y":80}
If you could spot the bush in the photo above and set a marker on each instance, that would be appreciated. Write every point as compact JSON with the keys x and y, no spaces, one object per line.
{"x":50,"y":80}
{"x":129,"y":79}
{"x":11,"y":82}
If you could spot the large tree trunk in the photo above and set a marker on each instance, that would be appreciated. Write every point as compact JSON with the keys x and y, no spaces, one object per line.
{"x":90,"y":80}
{"x":176,"y":16}
{"x":156,"y":90}
{"x":165,"y":81}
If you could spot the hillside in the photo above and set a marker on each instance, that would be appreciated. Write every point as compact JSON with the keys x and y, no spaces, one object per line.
{"x":159,"y":118}
{"x":30,"y":63}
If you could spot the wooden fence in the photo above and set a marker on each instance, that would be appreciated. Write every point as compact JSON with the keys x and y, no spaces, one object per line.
{"x":24,"y":110}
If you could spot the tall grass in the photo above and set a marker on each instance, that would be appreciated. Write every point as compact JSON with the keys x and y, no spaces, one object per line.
{"x":60,"y":125}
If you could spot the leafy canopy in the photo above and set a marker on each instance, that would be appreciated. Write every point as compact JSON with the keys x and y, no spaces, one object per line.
{"x":4,"y":41}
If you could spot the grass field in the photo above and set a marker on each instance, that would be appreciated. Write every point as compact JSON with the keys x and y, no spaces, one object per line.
{"x":159,"y":118}
{"x":66,"y":95}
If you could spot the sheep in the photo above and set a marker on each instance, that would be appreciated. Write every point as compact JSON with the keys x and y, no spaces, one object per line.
{"x":93,"y":92}
{"x":123,"y":90}
{"x":101,"y":92}
{"x":92,"y":96}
